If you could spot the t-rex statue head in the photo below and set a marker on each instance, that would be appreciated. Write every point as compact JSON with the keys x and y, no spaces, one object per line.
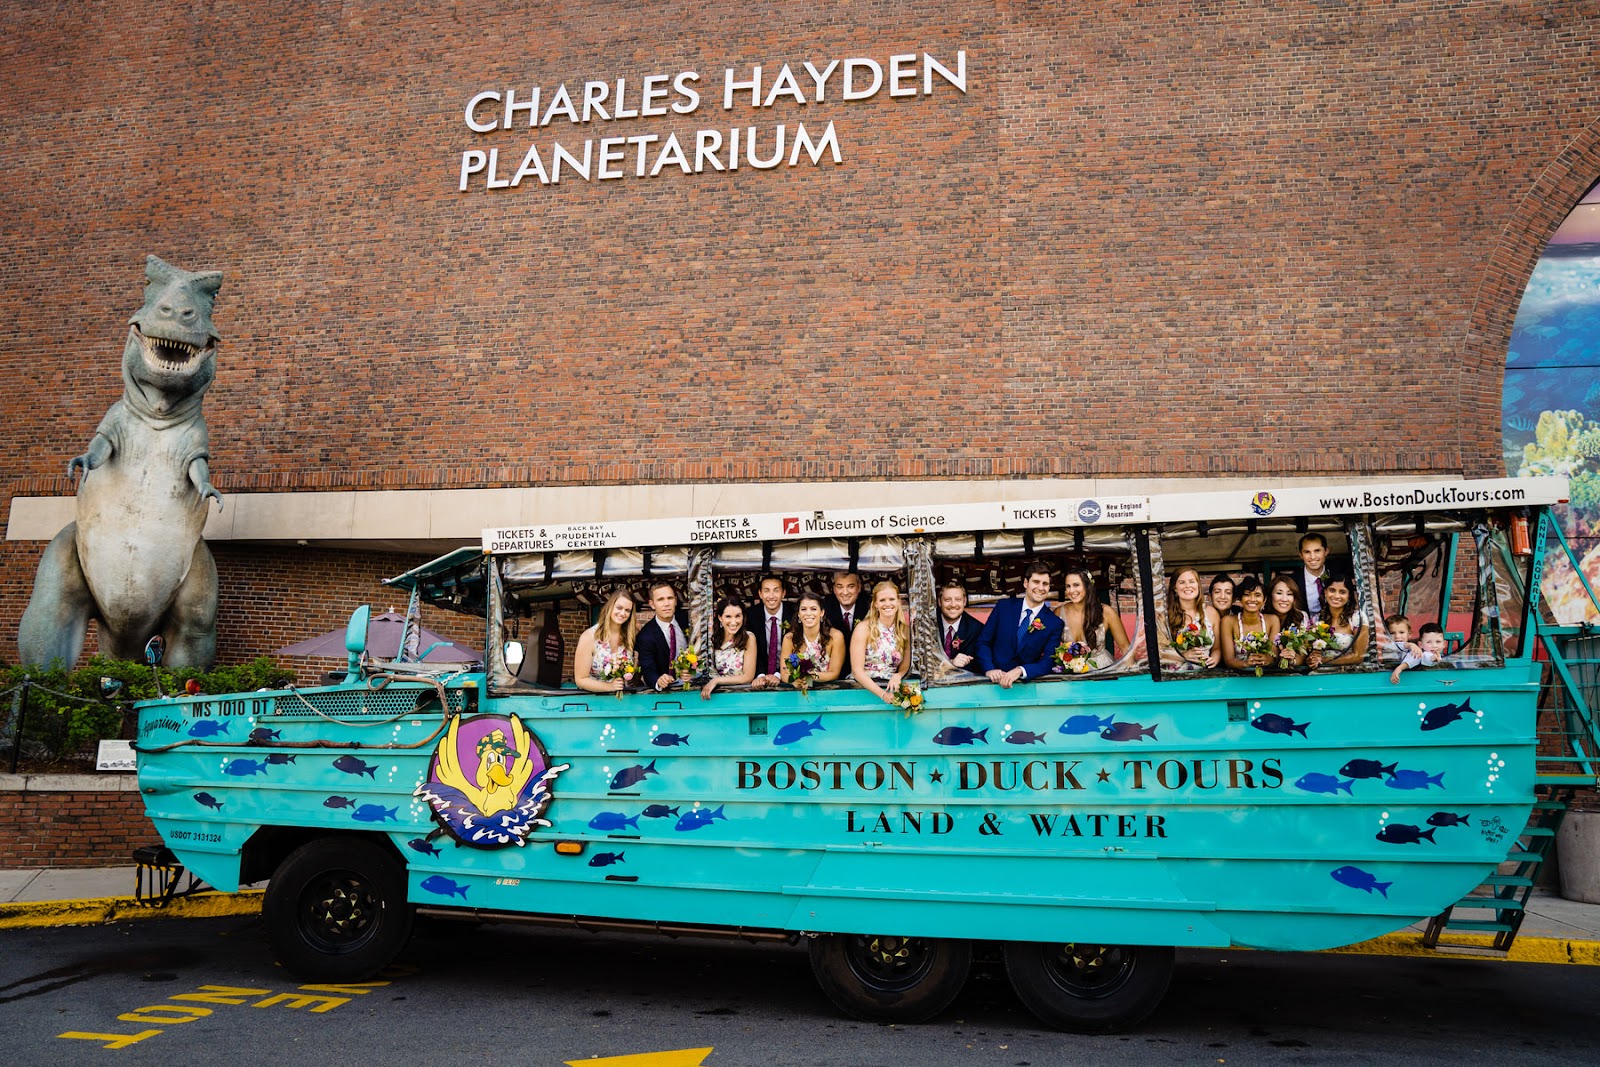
{"x":170,"y":359}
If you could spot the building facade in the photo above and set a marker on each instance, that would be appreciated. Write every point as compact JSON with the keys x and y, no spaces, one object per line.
{"x":522,"y":264}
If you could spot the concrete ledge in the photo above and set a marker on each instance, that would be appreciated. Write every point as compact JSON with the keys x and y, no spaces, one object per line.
{"x":45,"y":913}
{"x":1523,"y":949}
{"x":69,"y":783}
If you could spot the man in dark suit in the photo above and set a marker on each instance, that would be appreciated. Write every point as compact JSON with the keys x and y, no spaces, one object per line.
{"x":1022,"y":633}
{"x":845,"y":607}
{"x":768,"y":620}
{"x":662,"y":638}
{"x":958,"y":631}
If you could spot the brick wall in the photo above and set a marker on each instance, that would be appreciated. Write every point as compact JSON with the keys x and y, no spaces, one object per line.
{"x":1292,"y":237}
{"x":41,"y":826}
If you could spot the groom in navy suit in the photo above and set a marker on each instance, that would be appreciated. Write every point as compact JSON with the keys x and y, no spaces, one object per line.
{"x":1021,"y":635}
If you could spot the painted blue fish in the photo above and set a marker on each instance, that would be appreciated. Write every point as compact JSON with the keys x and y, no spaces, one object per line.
{"x":1129,"y":731}
{"x":1356,"y":878}
{"x":658,"y":811}
{"x":208,"y":728}
{"x":355,"y":765}
{"x":613,"y":820}
{"x":1324,"y":783}
{"x":1278,"y":724}
{"x":261,"y":734}
{"x":670,"y":740}
{"x":694,"y":820}
{"x":1445,"y":818}
{"x":339,"y":802}
{"x":1404,"y":779}
{"x":1367,"y":768}
{"x":606,"y":859}
{"x":791,"y":732}
{"x":1446,"y":714}
{"x":239,"y":768}
{"x":632,"y":775}
{"x":1399,"y":833}
{"x":1024,"y":737}
{"x":438,"y":883}
{"x":1086,"y":724}
{"x":424,"y":846}
{"x":208,"y":800}
{"x":278,"y":759}
{"x":960,"y":735}
{"x":375,"y":813}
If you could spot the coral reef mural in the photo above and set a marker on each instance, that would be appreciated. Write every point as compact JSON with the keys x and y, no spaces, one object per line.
{"x":1551,"y":405}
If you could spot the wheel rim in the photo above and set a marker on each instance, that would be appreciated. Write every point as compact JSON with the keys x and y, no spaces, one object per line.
{"x":339,"y":912}
{"x":889,"y":964}
{"x":1090,"y":971}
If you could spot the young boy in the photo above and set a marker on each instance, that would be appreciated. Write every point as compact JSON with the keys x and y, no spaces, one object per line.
{"x":1395,"y":641}
{"x":1427,"y":652}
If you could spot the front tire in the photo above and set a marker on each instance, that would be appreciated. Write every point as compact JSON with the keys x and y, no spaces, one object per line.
{"x":1088,"y":988}
{"x":884,"y":979}
{"x":336,"y":910}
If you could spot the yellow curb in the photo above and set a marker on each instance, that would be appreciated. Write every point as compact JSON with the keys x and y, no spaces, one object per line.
{"x":1523,"y":950}
{"x":21,"y":915}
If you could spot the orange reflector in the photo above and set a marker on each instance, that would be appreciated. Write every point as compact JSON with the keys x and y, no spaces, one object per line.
{"x":569,"y":848}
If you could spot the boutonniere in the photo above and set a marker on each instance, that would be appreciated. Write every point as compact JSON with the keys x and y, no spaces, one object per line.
{"x":955,"y":644}
{"x":1035,"y":626}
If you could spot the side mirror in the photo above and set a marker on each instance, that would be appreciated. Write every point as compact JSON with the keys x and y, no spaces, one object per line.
{"x":514,"y":654}
{"x":154,"y":649}
{"x":355,"y":639}
{"x":109,"y":688}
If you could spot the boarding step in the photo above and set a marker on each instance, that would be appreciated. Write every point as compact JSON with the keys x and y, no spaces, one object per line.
{"x":1512,"y":880}
{"x":158,"y":877}
{"x":1487,"y":926}
{"x":1488,"y":903}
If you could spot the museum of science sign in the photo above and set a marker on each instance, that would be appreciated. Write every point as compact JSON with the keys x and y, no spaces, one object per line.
{"x":645,"y":154}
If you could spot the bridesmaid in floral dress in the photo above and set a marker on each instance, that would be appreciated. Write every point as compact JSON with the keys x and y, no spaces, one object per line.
{"x":606,"y":647}
{"x":880,"y":649}
{"x":811,"y":635}
{"x":733,"y":650}
{"x":1188,"y":610}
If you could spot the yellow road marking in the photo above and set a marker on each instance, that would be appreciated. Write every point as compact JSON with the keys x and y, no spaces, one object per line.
{"x":683,"y":1057}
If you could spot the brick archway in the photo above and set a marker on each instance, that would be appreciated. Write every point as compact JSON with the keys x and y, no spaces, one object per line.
{"x":1483,"y":350}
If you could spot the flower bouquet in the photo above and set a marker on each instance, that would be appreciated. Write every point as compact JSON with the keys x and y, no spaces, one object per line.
{"x":1074,"y":658}
{"x":1296,"y":641}
{"x":1255,"y":643}
{"x":685,"y":664}
{"x":799,"y":671}
{"x":1190,"y":638}
{"x":619,"y":665}
{"x":1321,"y":637}
{"x":907,"y":697}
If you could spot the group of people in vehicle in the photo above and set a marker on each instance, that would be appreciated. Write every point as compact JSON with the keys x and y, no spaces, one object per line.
{"x":1305,"y":621}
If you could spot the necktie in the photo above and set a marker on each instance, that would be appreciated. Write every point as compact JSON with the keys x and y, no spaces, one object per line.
{"x":846,"y":613}
{"x":949,"y":641}
{"x":1022,"y":627}
{"x":772,"y":644}
{"x":672,"y":641}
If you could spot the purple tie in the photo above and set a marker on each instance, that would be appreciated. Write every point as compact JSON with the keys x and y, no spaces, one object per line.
{"x":846,"y":614}
{"x":672,"y":641}
{"x":772,"y":644}
{"x":949,"y":641}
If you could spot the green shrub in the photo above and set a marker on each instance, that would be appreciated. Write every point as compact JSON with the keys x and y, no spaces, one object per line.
{"x":66,"y":717}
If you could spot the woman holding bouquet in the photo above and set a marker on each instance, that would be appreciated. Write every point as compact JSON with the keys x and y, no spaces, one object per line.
{"x":880,"y":649}
{"x":1088,"y":622}
{"x":1248,"y":638}
{"x":1348,"y":643}
{"x":733,"y":649}
{"x":1192,"y":624}
{"x":604,"y":661}
{"x":814,"y":641}
{"x":1288,"y":605}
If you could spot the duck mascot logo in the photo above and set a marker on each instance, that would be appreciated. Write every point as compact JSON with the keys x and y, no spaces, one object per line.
{"x":489,"y":781}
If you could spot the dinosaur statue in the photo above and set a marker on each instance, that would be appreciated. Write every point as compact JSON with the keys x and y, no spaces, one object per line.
{"x":134,"y":560}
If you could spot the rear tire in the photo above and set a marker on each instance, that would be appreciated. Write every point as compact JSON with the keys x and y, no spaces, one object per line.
{"x":885,"y":979}
{"x":336,"y":910}
{"x":1088,"y":988}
